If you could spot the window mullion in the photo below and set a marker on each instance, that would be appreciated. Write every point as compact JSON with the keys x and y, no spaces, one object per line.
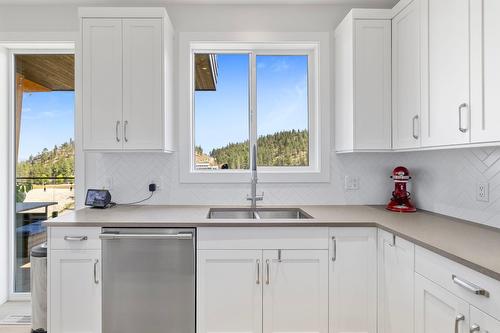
{"x":253,"y":103}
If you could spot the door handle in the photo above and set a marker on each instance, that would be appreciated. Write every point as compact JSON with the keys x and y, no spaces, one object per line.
{"x":75,"y":238}
{"x":470,"y":286}
{"x":258,"y":271}
{"x":461,"y":107}
{"x":96,"y":262}
{"x":267,"y":271}
{"x":116,"y":131}
{"x":334,"y":249}
{"x":125,"y":130}
{"x":415,"y":134}
{"x":460,"y":317}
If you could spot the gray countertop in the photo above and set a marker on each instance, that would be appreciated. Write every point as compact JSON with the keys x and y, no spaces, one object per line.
{"x":471,"y":244}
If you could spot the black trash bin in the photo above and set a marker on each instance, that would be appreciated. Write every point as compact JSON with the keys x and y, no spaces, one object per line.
{"x":38,"y":261}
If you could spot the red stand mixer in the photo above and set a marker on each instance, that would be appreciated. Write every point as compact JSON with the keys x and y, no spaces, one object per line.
{"x":400,"y":201}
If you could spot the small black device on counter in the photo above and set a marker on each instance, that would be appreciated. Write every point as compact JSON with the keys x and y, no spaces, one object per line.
{"x":98,"y":198}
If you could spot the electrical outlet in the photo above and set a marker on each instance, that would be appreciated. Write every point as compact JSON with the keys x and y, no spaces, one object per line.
{"x":351,"y":183}
{"x":483,"y":192}
{"x":158,"y":181}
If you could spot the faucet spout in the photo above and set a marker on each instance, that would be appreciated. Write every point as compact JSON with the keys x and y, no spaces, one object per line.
{"x":253,"y":198}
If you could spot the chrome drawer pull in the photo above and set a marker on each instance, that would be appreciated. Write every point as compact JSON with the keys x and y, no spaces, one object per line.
{"x":470,"y":286}
{"x":180,"y":236}
{"x":334,"y":250}
{"x":475,"y":328}
{"x":460,"y":317}
{"x":96,"y":281}
{"x":267,"y":271}
{"x":258,"y":271}
{"x":75,"y":238}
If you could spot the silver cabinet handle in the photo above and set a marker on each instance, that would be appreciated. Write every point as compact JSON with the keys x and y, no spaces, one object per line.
{"x":258,"y":271}
{"x":460,"y":317}
{"x":96,"y":262}
{"x":125,"y":130}
{"x":460,"y":108}
{"x":393,"y":244}
{"x":415,"y":134}
{"x":181,"y":235}
{"x":334,"y":249}
{"x":116,"y":131}
{"x":267,"y":271}
{"x":470,"y":286}
{"x":475,"y":328}
{"x":75,"y":238}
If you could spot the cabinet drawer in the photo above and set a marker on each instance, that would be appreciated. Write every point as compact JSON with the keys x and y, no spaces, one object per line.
{"x":459,"y":280}
{"x":74,"y":238}
{"x":263,"y":238}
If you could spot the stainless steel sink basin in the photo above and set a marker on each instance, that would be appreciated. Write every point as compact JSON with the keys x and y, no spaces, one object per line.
{"x":259,"y":213}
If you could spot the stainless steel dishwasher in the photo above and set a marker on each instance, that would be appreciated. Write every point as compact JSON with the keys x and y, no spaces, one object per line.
{"x":148,"y":280}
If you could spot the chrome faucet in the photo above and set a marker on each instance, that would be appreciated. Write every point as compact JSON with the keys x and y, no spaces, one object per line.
{"x":253,"y":198}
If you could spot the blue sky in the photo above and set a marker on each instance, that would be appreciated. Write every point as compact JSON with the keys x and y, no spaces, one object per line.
{"x":221,"y":116}
{"x":47,"y":119}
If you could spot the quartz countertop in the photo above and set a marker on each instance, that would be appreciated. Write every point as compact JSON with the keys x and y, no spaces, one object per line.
{"x":470,"y":244}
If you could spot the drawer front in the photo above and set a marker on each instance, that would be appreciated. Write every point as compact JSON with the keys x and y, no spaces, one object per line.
{"x":263,"y":238}
{"x":74,"y":238}
{"x":460,"y":280}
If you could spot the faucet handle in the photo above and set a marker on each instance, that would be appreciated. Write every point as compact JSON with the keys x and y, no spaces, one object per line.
{"x":260,"y":197}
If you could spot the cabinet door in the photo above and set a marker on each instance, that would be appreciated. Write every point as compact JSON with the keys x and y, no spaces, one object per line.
{"x":406,"y":77}
{"x":229,"y":291}
{"x":102,"y":83}
{"x":482,"y":323}
{"x":437,"y":310}
{"x":396,"y":267}
{"x":446,"y":118}
{"x":75,"y":292}
{"x":353,"y":280}
{"x":372,"y":84}
{"x":295,"y":291}
{"x":485,"y":70}
{"x":143,"y":121}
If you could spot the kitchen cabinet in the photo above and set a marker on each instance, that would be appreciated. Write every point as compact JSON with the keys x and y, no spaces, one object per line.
{"x":363,"y":82}
{"x":396,"y":271}
{"x":482,"y":323}
{"x":126,"y":79}
{"x":74,"y":291}
{"x":446,"y":101}
{"x":485,"y":71}
{"x":295,"y":291}
{"x":229,"y":293}
{"x":437,"y":310}
{"x":406,"y":77}
{"x":353,"y":280}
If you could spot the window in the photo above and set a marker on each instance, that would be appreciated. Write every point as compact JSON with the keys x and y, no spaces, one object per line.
{"x":246,"y":96}
{"x":44,"y":151}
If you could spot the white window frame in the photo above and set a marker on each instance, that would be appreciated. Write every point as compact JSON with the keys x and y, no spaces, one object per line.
{"x":13,"y":50}
{"x":318,"y":169}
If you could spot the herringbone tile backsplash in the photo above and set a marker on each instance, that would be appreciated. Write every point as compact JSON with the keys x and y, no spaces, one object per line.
{"x":444,"y":181}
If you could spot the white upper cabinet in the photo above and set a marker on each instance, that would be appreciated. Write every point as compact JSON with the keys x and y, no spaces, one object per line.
{"x":406,"y":98}
{"x":396,"y":271}
{"x":485,"y":71}
{"x":353,"y":280}
{"x":446,"y":102}
{"x":126,"y":79}
{"x":102,"y":76}
{"x":363,"y":82}
{"x":295,"y":291}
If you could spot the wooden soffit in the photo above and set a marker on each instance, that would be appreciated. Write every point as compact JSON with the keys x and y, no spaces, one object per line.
{"x":205,"y":72}
{"x":55,"y":72}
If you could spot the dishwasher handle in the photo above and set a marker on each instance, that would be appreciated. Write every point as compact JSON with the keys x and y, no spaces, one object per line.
{"x":180,"y":236}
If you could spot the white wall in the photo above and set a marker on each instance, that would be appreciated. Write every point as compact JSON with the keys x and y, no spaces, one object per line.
{"x":4,"y":174}
{"x":444,"y":181}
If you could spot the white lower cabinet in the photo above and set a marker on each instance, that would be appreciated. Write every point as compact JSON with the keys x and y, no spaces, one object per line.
{"x":353,"y":280}
{"x":229,"y":291}
{"x":437,"y":310}
{"x":396,"y":272}
{"x":483,"y":323}
{"x":75,"y":291}
{"x":262,"y":291}
{"x":295,"y":294}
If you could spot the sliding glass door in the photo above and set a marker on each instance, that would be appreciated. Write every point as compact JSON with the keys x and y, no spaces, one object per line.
{"x":44,"y":151}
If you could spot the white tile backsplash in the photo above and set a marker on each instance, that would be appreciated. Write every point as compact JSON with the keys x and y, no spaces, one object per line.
{"x":444,"y":181}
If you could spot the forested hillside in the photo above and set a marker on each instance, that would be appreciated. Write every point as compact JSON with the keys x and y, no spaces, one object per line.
{"x":287,"y":148}
{"x":58,"y":162}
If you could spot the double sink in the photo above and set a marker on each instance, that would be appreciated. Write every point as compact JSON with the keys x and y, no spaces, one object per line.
{"x":258,"y":213}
